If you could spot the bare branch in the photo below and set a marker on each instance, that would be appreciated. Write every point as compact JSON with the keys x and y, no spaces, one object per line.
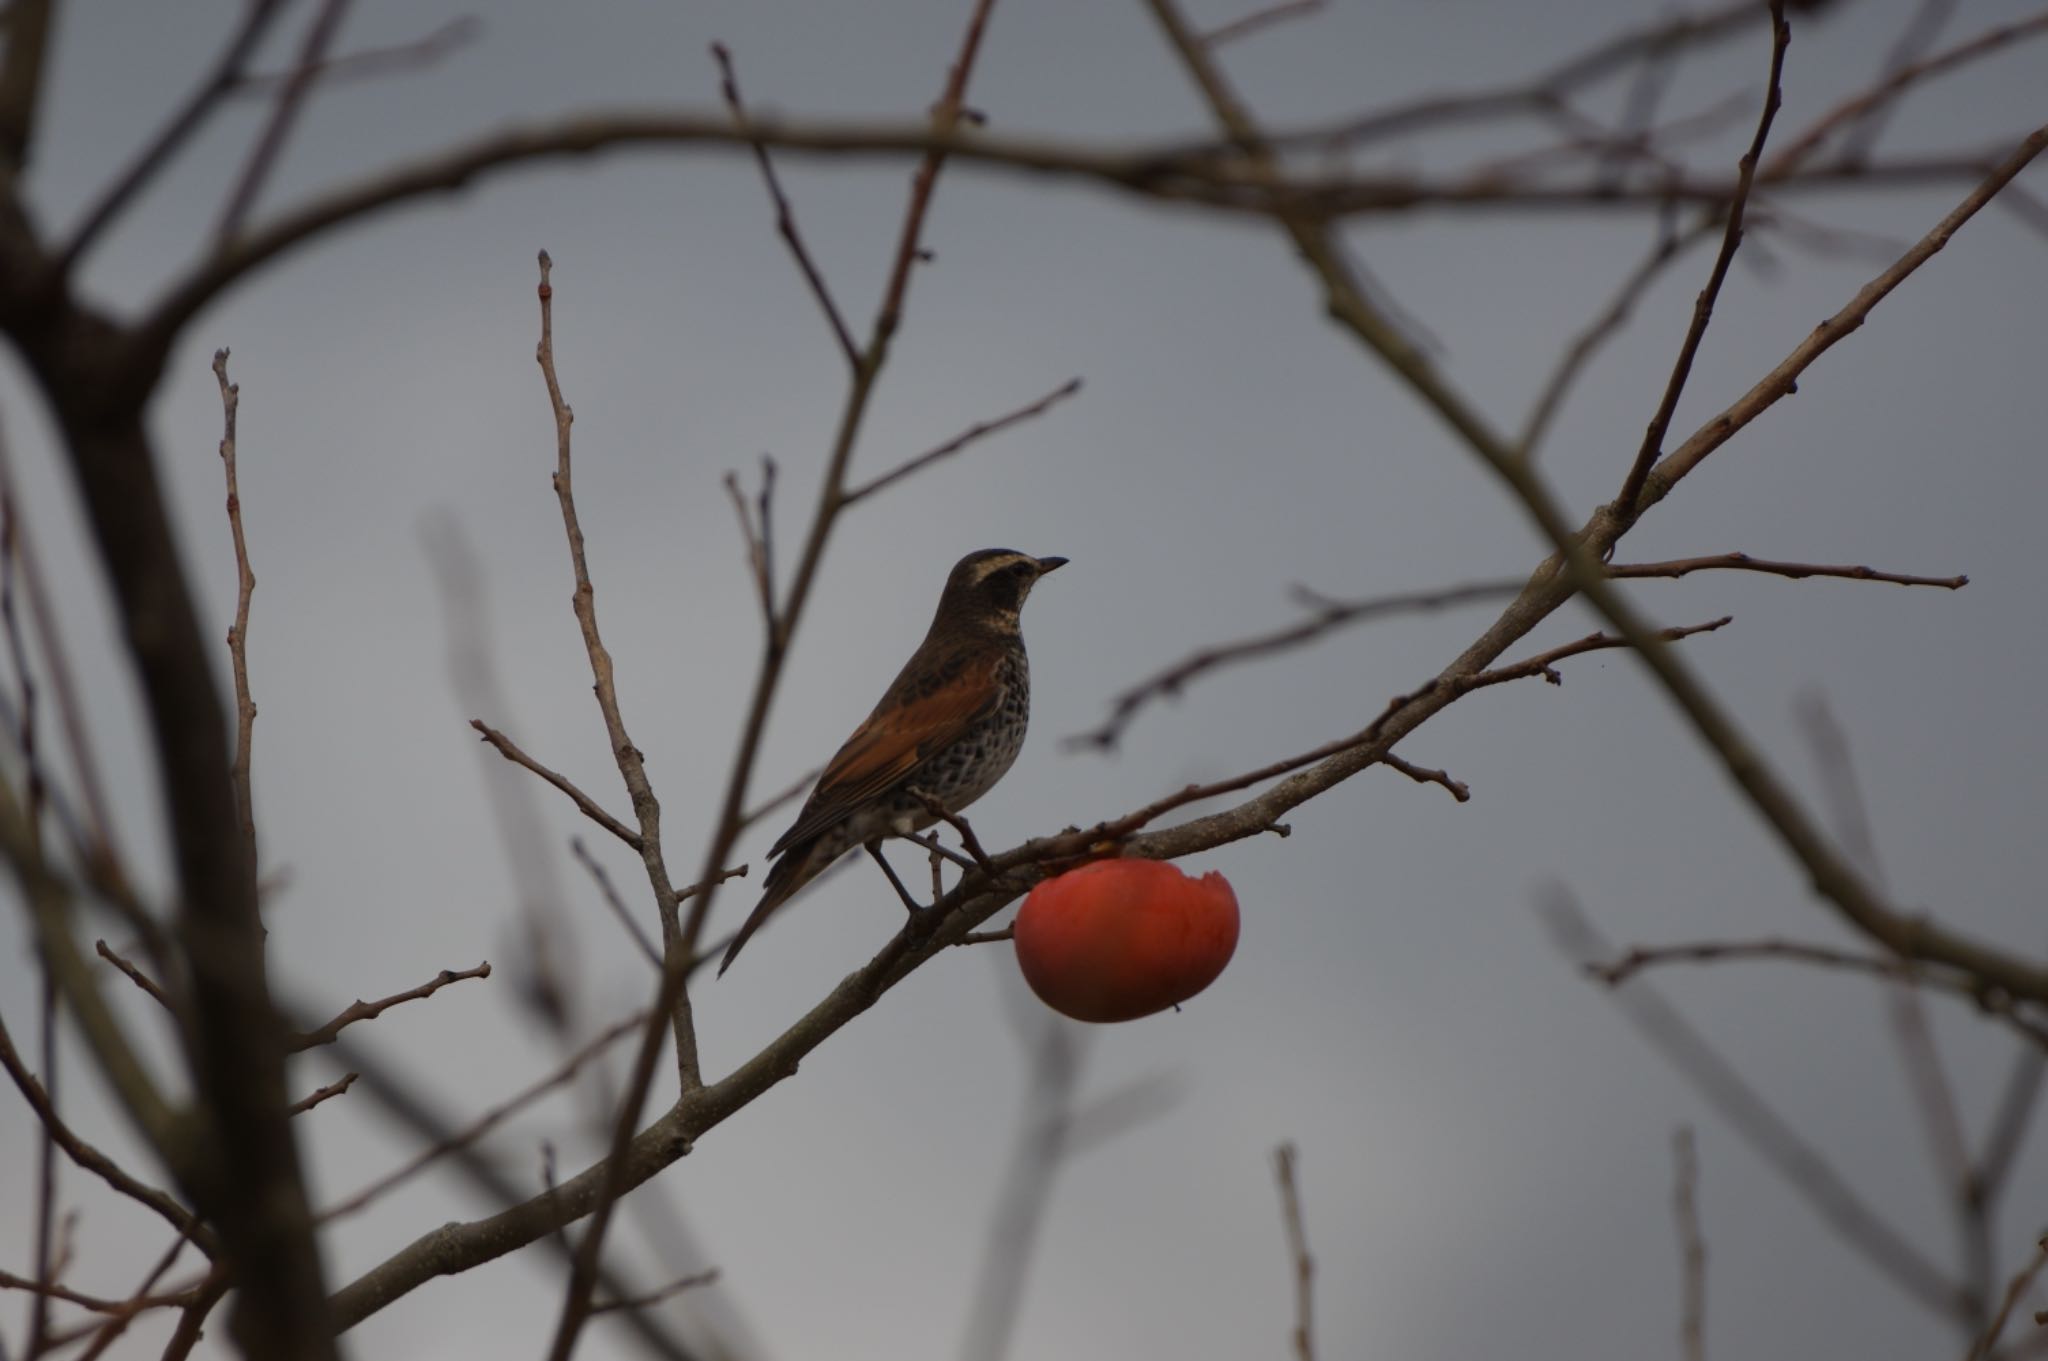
{"x":632,"y":765}
{"x":961,"y":441}
{"x":327,"y":1093}
{"x":373,"y":61}
{"x":1669,"y":246}
{"x":610,"y":893}
{"x":1899,"y":78}
{"x":2016,"y":1290}
{"x":1544,"y":664}
{"x":1743,"y":562}
{"x":1802,"y":1166}
{"x":654,"y":1297}
{"x":1783,"y":379}
{"x":291,"y":98}
{"x":1692,"y":1247}
{"x":105,"y":1334}
{"x":238,"y":632}
{"x":10,"y":1281}
{"x":1596,"y":63}
{"x":756,"y":532}
{"x":509,"y":749}
{"x":483,"y":1125}
{"x":1703,"y":309}
{"x":1284,"y":1158}
{"x":136,"y":976}
{"x":22,"y":63}
{"x":369,"y":1011}
{"x":1621,"y":968}
{"x":98,"y":852}
{"x":1210,"y":177}
{"x":1260,"y":19}
{"x":1423,"y":775}
{"x":785,"y":216}
{"x":91,"y":1159}
{"x":173,"y":135}
{"x":1327,"y":616}
{"x":2003,"y":1140}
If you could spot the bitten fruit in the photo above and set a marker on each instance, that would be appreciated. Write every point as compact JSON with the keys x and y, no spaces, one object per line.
{"x":1118,"y":939}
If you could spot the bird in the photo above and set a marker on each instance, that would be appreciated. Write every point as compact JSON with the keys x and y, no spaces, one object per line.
{"x":948,"y":727}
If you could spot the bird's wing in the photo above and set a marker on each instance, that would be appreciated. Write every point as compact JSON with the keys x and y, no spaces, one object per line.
{"x":912,"y":723}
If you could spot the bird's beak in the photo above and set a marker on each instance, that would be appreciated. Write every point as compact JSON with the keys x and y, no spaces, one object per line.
{"x":1050,"y":564}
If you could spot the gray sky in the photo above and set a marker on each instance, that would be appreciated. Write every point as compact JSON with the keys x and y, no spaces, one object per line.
{"x":1485,"y":1145}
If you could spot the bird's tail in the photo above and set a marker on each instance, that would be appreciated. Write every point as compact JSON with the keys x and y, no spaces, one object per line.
{"x":785,"y":877}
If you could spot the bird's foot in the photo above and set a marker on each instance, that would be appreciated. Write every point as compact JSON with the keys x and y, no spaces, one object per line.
{"x":910,"y":904}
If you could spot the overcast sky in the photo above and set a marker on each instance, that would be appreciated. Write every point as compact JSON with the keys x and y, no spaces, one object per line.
{"x":1485,"y":1144}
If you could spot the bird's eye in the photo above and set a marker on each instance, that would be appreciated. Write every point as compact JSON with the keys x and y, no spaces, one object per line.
{"x":1020,"y":569}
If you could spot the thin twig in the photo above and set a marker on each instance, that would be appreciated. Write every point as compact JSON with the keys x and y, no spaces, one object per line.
{"x":98,"y":1305}
{"x":1544,"y":664}
{"x":610,"y":893}
{"x":509,"y":749}
{"x":372,"y":61}
{"x":320,"y":1094}
{"x":1803,"y":1167}
{"x":91,"y":1159}
{"x":192,"y":1318}
{"x":1743,"y":562}
{"x":1284,"y":1158}
{"x":1934,"y":1095}
{"x":238,"y":632}
{"x":1621,"y":968}
{"x":654,"y":1297}
{"x":2015,"y":1110}
{"x":291,"y":98}
{"x":783,"y":797}
{"x":105,"y":1334}
{"x":1886,"y":91}
{"x":2015,"y":1290}
{"x":369,"y":1011}
{"x":1259,"y":19}
{"x":1692,"y":1247}
{"x":174,"y":134}
{"x":960,"y":441}
{"x":1328,"y":615}
{"x":1703,"y":308}
{"x":48,"y":1266}
{"x":1424,"y":775}
{"x":1603,"y":59}
{"x":785,"y":216}
{"x":488,"y":1121}
{"x":632,"y":765}
{"x":1669,"y":246}
{"x":683,"y":895}
{"x":99,"y":854}
{"x":756,"y":535}
{"x":136,"y":976}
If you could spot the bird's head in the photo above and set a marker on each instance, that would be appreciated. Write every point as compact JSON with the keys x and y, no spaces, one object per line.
{"x":989,"y":587}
